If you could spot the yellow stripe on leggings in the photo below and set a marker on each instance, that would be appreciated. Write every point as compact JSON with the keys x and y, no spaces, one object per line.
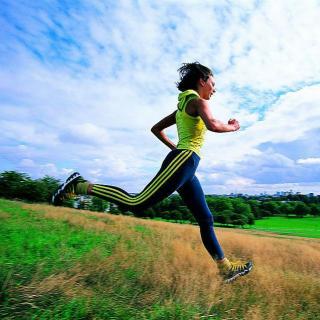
{"x":160,"y":180}
{"x":141,"y":197}
{"x":163,"y":174}
{"x":151,"y":189}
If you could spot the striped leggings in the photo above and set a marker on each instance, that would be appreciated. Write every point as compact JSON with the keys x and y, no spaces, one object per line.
{"x":177,"y":173}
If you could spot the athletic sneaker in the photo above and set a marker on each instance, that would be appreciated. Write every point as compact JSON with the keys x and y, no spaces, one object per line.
{"x":66,"y":190}
{"x":230,"y":271}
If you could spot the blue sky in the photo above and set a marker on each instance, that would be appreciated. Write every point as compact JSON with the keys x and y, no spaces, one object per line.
{"x":82,"y":83}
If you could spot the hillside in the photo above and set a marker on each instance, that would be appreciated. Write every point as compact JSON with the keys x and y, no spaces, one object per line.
{"x":60,"y":263}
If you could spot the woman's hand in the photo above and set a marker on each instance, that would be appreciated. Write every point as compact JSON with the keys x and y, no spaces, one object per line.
{"x":234,"y":123}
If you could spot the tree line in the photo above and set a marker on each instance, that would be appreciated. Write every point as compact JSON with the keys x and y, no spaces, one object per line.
{"x":17,"y":185}
{"x":234,"y":211}
{"x":237,"y":211}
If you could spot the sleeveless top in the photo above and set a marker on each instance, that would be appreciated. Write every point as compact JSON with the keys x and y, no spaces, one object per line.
{"x":191,"y":129}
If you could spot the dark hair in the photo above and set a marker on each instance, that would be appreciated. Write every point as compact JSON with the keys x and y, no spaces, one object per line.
{"x":190,"y":73}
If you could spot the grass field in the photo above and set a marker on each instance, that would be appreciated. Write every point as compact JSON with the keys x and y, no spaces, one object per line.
{"x":66,"y":264}
{"x":304,"y":227}
{"x":308,"y":227}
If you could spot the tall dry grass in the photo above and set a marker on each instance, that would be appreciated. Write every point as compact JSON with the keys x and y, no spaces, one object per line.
{"x":163,"y":263}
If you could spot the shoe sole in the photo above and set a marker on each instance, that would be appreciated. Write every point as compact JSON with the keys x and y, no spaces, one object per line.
{"x":241,"y":274}
{"x":55,"y":200}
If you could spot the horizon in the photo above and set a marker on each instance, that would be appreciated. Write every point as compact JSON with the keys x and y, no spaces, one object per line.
{"x":276,"y":193}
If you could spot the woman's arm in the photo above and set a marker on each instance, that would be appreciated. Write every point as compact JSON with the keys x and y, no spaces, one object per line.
{"x":213,"y":124}
{"x":158,"y":129}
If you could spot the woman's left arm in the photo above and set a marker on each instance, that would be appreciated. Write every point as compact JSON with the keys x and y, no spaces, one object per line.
{"x":158,"y":129}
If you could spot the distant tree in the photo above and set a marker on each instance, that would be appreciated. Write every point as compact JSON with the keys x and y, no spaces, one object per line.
{"x":240,"y":207}
{"x":185,"y":212}
{"x":242,"y":213}
{"x":174,"y":201}
{"x":163,"y":214}
{"x":255,"y":208}
{"x":287,"y":208}
{"x":98,"y":204}
{"x":239,"y":219}
{"x":12,"y":184}
{"x":301,"y":209}
{"x":283,"y":208}
{"x":224,"y":217}
{"x":176,"y":215}
{"x":270,"y":208}
{"x":219,"y":204}
{"x":19,"y":185}
{"x":192,"y":219}
{"x":47,"y":185}
{"x":33,"y":191}
{"x":315,"y":209}
{"x":251,"y":219}
{"x":150,"y":213}
{"x":164,"y":205}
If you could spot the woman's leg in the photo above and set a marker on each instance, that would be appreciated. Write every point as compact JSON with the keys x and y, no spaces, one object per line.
{"x":176,"y":169}
{"x":192,"y":194}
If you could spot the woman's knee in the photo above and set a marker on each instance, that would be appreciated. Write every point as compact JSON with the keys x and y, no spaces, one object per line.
{"x":205,"y":222}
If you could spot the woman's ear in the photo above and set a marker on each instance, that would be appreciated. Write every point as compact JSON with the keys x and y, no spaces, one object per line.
{"x":202,"y":82}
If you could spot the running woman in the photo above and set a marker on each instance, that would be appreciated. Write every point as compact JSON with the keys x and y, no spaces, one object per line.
{"x":177,"y":173}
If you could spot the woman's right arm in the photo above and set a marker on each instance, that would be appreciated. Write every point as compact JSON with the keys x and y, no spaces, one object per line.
{"x":158,"y":129}
{"x":212,"y":124}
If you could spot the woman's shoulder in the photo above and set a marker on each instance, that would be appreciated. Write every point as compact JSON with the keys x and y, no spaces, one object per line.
{"x":198,"y":102}
{"x":192,"y":107}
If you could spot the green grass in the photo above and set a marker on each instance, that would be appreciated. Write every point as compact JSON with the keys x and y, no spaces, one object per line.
{"x":26,"y":241}
{"x":66,"y":268}
{"x":308,"y":227}
{"x":34,"y":249}
{"x":304,"y":227}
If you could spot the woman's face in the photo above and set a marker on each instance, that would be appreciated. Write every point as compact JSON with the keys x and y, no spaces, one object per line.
{"x":208,"y":87}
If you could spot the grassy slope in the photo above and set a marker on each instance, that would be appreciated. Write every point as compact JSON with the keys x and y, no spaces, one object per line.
{"x":59,"y":263}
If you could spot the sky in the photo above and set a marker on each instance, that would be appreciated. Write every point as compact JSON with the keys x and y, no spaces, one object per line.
{"x":82,"y":83}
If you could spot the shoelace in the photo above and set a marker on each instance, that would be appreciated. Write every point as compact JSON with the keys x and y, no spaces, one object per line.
{"x":235,"y":266}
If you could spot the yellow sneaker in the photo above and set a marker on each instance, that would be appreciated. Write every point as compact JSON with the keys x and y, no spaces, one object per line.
{"x":66,"y":190}
{"x":230,"y":271}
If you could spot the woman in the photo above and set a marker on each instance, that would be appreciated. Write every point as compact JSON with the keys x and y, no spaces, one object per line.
{"x":177,"y":173}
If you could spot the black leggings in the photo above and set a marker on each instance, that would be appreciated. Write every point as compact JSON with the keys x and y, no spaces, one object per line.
{"x":177,"y":173}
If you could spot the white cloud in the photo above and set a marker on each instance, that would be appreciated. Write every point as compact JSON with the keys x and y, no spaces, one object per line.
{"x":274,"y":43}
{"x":239,"y":182}
{"x":309,"y":161}
{"x":87,"y":133}
{"x":32,"y":133}
{"x":289,"y":119}
{"x":38,"y":170}
{"x":27,"y":163}
{"x":91,"y":87}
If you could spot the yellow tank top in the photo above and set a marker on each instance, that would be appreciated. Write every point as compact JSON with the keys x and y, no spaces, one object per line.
{"x":191,"y":129}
